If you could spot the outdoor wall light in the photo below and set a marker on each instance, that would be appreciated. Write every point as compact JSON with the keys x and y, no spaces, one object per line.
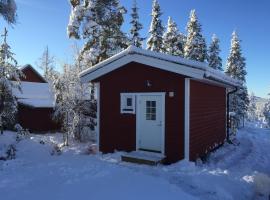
{"x":148,"y":83}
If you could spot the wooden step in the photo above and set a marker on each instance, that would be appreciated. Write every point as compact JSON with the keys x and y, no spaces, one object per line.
{"x":142,"y":157}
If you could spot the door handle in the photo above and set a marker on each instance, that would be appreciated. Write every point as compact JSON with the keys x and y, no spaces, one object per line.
{"x":160,"y":123}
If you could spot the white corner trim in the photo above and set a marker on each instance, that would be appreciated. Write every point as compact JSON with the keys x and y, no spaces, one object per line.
{"x":97,"y":86}
{"x":187,"y":118}
{"x":164,"y":122}
{"x":226,"y":124}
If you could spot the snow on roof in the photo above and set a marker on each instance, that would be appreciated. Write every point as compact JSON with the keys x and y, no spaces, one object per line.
{"x":194,"y":69}
{"x":38,"y":95}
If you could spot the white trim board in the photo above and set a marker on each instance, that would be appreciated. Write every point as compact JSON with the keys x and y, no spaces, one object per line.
{"x":187,"y":119}
{"x":97,"y":86}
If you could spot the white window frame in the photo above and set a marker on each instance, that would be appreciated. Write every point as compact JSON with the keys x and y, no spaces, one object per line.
{"x":123,"y":107}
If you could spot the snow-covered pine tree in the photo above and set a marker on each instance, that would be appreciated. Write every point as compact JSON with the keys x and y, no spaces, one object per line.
{"x":172,"y":40}
{"x":252,"y":108}
{"x":155,"y":40}
{"x":236,"y":68}
{"x":213,"y":58}
{"x":46,"y":63}
{"x":9,"y":78}
{"x":195,"y":46}
{"x":136,"y":26}
{"x":99,"y":23}
{"x":266,"y":112}
{"x":8,"y":10}
{"x":182,"y":40}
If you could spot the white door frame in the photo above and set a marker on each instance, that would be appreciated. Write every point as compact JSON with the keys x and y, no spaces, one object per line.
{"x":162,"y":94}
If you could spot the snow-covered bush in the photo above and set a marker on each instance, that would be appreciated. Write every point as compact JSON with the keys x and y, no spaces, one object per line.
{"x":92,"y":149}
{"x":75,"y":104}
{"x":21,"y":132}
{"x":11,"y":152}
{"x":56,"y":151}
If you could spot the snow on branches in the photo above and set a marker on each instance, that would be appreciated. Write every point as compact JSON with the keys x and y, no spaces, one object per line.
{"x":75,"y":105}
{"x":236,"y":68}
{"x":155,"y":41}
{"x":173,"y":40}
{"x":136,"y":26}
{"x":98,"y":22}
{"x":9,"y":78}
{"x":213,"y":58}
{"x":8,"y":9}
{"x":195,"y":46}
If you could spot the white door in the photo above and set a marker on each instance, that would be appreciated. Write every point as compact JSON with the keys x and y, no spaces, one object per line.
{"x":150,"y":122}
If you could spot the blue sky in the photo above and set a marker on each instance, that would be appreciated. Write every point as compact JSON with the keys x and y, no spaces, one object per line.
{"x":43,"y":22}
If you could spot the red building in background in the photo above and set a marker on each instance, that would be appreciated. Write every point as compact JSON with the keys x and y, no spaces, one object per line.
{"x":35,"y":102}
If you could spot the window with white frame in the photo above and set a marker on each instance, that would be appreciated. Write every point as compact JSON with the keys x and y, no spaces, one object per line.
{"x":127,"y":103}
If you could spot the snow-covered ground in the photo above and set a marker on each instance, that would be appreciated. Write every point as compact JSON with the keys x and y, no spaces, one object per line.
{"x":232,"y":172}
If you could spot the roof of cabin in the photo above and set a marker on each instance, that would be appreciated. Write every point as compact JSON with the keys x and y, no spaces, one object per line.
{"x":176,"y":64}
{"x":37,"y":95}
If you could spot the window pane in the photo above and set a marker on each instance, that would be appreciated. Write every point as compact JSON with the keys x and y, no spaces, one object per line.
{"x":129,"y":101}
{"x":153,"y":117}
{"x":150,"y":110}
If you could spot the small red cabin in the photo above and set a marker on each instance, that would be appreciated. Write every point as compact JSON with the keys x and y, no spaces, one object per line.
{"x":150,"y":101}
{"x":35,"y":102}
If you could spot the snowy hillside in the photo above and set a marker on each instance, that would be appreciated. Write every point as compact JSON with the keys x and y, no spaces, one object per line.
{"x":233,"y":172}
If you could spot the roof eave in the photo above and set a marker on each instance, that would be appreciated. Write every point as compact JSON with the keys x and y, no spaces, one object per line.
{"x":201,"y":70}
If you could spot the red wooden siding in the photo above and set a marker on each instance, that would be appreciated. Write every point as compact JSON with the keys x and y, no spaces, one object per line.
{"x":207,"y":118}
{"x":118,"y":131}
{"x":31,"y":76}
{"x":36,"y":119}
